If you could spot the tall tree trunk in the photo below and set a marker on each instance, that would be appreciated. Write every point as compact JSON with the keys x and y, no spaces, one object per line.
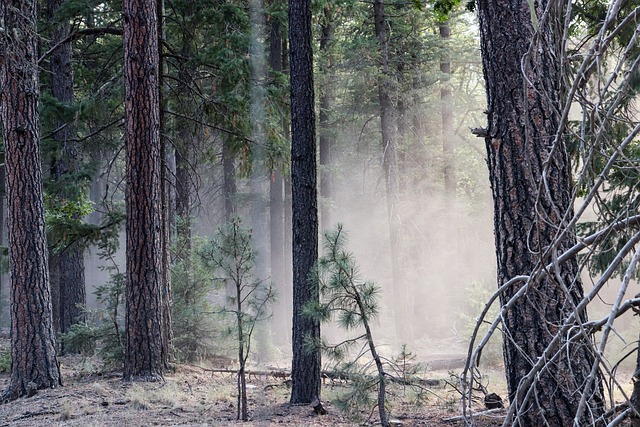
{"x":523,"y":120}
{"x":288,"y":211}
{"x":34,"y":364}
{"x":282,"y":310}
{"x":165,"y":197}
{"x":326,"y":139}
{"x":389,"y":163}
{"x":447,"y":117}
{"x":3,"y":196}
{"x":67,"y":279}
{"x":144,"y":350}
{"x":259,"y":177}
{"x":305,"y":368}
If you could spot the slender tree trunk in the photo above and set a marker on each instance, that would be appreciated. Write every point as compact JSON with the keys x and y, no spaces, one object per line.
{"x":259,"y":175}
{"x":447,"y":118}
{"x":67,"y":279}
{"x":34,"y":364}
{"x":288,"y":211}
{"x":523,"y":120}
{"x":165,"y":197}
{"x":635,"y":395}
{"x":389,"y":163}
{"x":305,"y":369}
{"x":229,"y":181}
{"x":281,"y":312}
{"x":3,"y":195}
{"x":145,"y":347}
{"x":186,"y":134}
{"x":326,"y":139}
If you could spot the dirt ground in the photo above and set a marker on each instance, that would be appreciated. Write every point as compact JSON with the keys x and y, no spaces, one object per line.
{"x":194,"y":396}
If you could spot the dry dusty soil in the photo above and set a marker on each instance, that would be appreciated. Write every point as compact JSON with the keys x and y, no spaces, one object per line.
{"x":195,"y":396}
{"x":199,"y":396}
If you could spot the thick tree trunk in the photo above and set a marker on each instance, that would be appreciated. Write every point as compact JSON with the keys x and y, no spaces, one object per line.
{"x":144,"y":350}
{"x":33,"y":360}
{"x":305,"y":369}
{"x":523,"y":120}
{"x":68,"y":288}
{"x":389,"y":163}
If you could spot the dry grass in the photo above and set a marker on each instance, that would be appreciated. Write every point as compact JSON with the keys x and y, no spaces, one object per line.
{"x":193,"y":396}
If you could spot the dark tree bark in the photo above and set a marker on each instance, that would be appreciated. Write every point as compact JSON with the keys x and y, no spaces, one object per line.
{"x":389,"y":164}
{"x":144,"y":350}
{"x":68,"y":288}
{"x":523,"y":120}
{"x":34,"y":365}
{"x":165,"y":197}
{"x":282,"y":312}
{"x":3,"y":196}
{"x":186,"y":131}
{"x":305,"y":368}
{"x":288,"y":212}
{"x":326,"y":140}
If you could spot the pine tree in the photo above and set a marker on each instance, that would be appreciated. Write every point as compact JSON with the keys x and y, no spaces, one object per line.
{"x":145,"y":347}
{"x":305,"y":370}
{"x":34,"y":365}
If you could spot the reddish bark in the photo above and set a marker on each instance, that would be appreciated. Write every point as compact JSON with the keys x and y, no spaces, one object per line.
{"x":34,"y":364}
{"x":144,"y":349}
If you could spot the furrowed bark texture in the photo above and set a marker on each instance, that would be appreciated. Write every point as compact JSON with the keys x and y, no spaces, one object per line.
{"x":305,"y":370}
{"x":33,"y":360}
{"x":523,"y":120}
{"x":166,"y":232}
{"x":144,"y":341}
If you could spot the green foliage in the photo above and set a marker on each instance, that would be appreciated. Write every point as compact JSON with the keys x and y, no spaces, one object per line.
{"x":5,"y":359}
{"x":102,"y":334}
{"x":353,"y":302}
{"x":81,"y":338}
{"x":103,"y":330}
{"x":196,"y":322}
{"x":231,"y":257}
{"x":442,"y":9}
{"x":476,"y":296}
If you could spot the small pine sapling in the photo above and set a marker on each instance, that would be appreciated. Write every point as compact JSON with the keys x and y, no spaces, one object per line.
{"x":354,"y":303}
{"x":195,"y":320}
{"x":232,"y":257}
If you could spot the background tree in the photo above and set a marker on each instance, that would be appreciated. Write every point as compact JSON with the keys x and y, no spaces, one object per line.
{"x":233,"y":259}
{"x":532,"y":192}
{"x":67,"y":186}
{"x":145,"y":347}
{"x":277,"y":125}
{"x":34,"y":364}
{"x":305,"y":366}
{"x":390,"y":166}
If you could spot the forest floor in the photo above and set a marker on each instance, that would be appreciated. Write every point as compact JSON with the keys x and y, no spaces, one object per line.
{"x":197,"y":396}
